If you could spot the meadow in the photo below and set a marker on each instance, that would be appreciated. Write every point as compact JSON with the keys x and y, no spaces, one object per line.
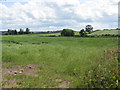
{"x":103,"y":32}
{"x":60,"y":62}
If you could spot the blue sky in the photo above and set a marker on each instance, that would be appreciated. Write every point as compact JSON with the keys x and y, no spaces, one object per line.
{"x":58,"y":14}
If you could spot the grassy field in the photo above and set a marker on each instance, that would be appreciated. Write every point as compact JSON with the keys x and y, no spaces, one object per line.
{"x":55,"y":62}
{"x":56,"y":34}
{"x":103,"y":32}
{"x":50,"y":34}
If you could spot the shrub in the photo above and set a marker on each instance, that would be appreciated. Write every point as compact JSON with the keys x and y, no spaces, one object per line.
{"x":67,"y":32}
{"x":82,"y":33}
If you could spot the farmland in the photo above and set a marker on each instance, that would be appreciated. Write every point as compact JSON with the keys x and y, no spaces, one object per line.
{"x":97,"y":32}
{"x":103,"y":32}
{"x":59,"y":62}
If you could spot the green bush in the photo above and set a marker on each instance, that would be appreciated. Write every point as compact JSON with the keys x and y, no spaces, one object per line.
{"x":83,"y":33}
{"x":67,"y":32}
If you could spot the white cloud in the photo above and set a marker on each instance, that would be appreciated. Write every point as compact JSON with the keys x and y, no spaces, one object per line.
{"x":60,"y":13}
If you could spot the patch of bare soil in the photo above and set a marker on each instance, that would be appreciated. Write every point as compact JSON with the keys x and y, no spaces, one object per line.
{"x":58,"y":80}
{"x":64,"y":84}
{"x":18,"y":70}
{"x":28,"y":70}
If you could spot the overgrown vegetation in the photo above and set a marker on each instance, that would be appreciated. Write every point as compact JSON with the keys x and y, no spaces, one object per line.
{"x":62,"y":61}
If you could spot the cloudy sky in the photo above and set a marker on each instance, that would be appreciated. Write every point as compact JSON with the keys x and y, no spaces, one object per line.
{"x":58,"y":14}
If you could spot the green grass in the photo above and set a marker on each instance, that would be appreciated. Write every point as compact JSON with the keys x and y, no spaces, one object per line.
{"x":50,"y":34}
{"x":67,"y":58}
{"x":103,"y":32}
{"x":56,"y":34}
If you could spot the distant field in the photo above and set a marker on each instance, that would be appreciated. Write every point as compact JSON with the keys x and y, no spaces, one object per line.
{"x":56,"y":34}
{"x":50,"y":34}
{"x":59,"y":62}
{"x":103,"y":32}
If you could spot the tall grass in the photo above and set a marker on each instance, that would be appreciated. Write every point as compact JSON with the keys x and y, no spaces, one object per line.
{"x":77,"y":60}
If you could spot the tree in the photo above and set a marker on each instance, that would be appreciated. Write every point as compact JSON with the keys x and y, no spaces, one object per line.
{"x":67,"y":32}
{"x":15,"y":32}
{"x":82,"y":33}
{"x":8,"y":32}
{"x":89,"y":28}
{"x":21,"y":31}
{"x":12,"y":32}
{"x":27,"y":31}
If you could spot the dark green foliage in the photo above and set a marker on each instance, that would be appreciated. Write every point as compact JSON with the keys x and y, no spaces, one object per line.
{"x":27,"y":31}
{"x":21,"y":31}
{"x":6,"y":33}
{"x":67,"y":32}
{"x":82,"y":33}
{"x":14,"y":32}
{"x":11,"y":32}
{"x":89,"y":28}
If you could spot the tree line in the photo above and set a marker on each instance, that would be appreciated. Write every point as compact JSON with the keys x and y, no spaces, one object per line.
{"x":65,"y":32}
{"x":15,"y":32}
{"x":70,"y":32}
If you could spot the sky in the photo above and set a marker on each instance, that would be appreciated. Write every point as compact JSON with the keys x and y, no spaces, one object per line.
{"x":44,"y":15}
